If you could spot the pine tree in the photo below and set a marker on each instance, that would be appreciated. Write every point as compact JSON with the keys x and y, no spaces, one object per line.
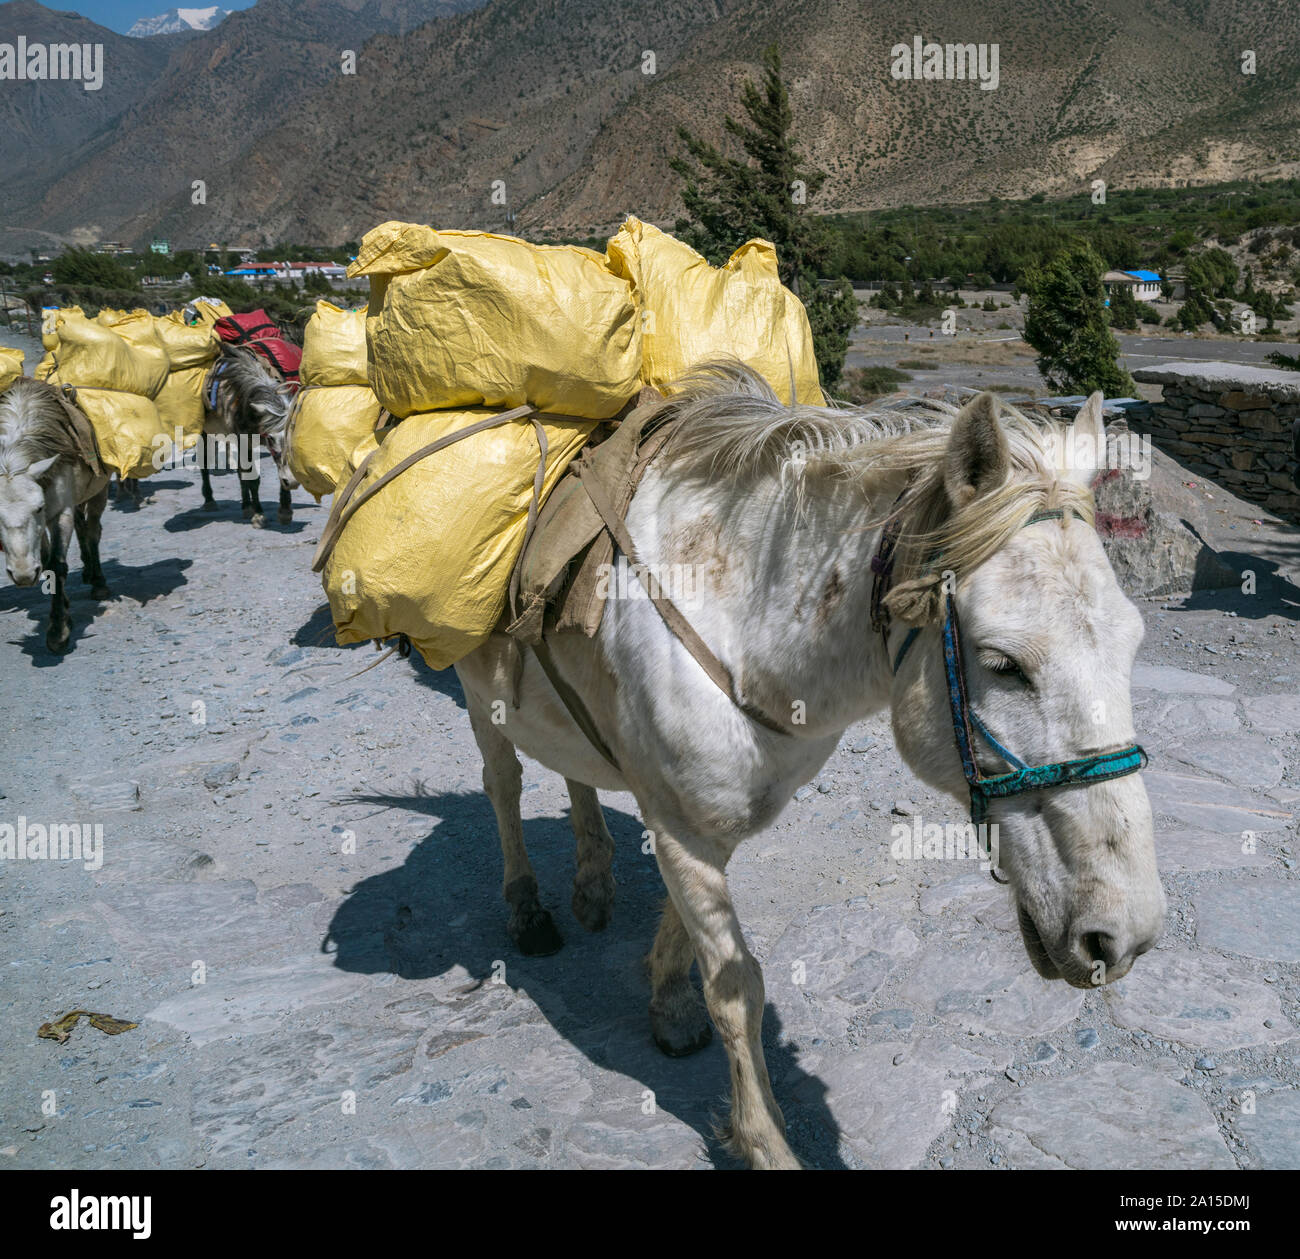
{"x":1066,"y":324}
{"x":730,"y":200}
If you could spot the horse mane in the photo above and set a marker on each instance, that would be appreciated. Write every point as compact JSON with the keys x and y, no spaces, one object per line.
{"x":734,"y":427}
{"x":258,"y":398}
{"x":32,"y":427}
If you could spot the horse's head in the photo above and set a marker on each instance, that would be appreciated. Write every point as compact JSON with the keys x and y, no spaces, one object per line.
{"x":22,"y":520}
{"x":1046,"y":643}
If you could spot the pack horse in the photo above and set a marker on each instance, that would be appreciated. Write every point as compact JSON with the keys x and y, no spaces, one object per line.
{"x":51,"y":483}
{"x":247,"y":397}
{"x":1002,"y":648}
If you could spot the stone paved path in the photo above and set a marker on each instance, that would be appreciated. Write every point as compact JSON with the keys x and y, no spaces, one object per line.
{"x":317,"y":852}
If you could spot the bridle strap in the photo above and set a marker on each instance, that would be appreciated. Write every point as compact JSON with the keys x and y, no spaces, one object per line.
{"x":1082,"y":771}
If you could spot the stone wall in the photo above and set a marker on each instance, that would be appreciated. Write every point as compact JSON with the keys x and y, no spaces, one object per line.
{"x":1231,"y":423}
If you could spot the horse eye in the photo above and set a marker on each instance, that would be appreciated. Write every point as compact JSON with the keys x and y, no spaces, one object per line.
{"x":996,"y":662}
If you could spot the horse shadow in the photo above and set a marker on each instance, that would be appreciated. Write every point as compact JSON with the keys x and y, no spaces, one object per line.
{"x":139,"y":582}
{"x":442,"y":908}
{"x":444,"y":681}
{"x":318,"y":631}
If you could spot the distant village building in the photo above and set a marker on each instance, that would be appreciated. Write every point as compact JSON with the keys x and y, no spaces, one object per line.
{"x":1144,"y":285}
{"x":288,"y":270}
{"x":160,"y":247}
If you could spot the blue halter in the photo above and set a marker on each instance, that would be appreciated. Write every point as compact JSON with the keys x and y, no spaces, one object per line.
{"x":1083,"y":771}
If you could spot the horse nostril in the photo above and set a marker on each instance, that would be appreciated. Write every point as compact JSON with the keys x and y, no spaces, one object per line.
{"x":1097,"y":946}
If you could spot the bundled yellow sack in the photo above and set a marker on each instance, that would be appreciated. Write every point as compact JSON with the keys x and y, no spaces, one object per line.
{"x":115,"y":383}
{"x":11,"y":365}
{"x":191,"y":350}
{"x":430,"y":555}
{"x":691,"y":311}
{"x":136,"y":328}
{"x":335,"y":408}
{"x":460,"y":319}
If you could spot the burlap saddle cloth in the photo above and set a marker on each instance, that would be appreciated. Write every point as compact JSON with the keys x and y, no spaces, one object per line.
{"x":557,"y":584}
{"x":81,"y":429}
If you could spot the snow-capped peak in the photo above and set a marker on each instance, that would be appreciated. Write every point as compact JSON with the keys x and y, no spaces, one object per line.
{"x":176,"y":20}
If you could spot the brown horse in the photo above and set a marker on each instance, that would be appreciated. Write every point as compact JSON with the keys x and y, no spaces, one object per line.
{"x":246,"y":401}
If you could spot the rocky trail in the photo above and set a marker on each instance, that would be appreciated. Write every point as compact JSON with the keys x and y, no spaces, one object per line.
{"x":299,"y":906}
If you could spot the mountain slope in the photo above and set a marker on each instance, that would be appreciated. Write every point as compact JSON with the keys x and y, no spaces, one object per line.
{"x":200,"y":102}
{"x":1088,"y":88}
{"x":550,"y":98}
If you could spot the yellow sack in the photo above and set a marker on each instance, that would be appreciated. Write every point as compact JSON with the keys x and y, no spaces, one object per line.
{"x":180,"y":405}
{"x":430,"y":555}
{"x":137,"y":330}
{"x":113,"y":381}
{"x":49,"y":316}
{"x":691,"y":311}
{"x":187,"y":345}
{"x":460,"y":319}
{"x":327,"y":424}
{"x":191,"y":350}
{"x":335,"y":408}
{"x":11,"y":365}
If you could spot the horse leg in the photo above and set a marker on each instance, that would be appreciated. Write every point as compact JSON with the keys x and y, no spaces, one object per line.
{"x":593,"y":884}
{"x":248,"y":486}
{"x":88,"y":521}
{"x":530,"y":927}
{"x":679,"y":1022}
{"x":58,"y":537}
{"x":694,"y":872}
{"x":285,"y":514}
{"x":209,"y":502}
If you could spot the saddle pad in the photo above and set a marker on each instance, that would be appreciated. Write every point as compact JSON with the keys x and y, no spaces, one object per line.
{"x":559,"y":585}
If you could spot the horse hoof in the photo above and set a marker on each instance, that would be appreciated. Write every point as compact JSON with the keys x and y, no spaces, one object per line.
{"x":536,"y":936}
{"x":285,"y":515}
{"x":593,"y":901}
{"x":209,"y":504}
{"x":58,"y":643}
{"x":101,"y":592}
{"x":257,"y":520}
{"x":682,"y":1038}
{"x":679,"y":1022}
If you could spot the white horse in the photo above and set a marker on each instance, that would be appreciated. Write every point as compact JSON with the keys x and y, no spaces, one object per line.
{"x":46,"y":490}
{"x":777,"y":511}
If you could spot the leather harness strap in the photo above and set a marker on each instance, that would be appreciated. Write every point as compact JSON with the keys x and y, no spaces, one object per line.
{"x":718,"y":673}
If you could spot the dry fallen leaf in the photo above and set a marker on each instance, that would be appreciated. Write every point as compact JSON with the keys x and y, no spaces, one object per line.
{"x":61,"y":1028}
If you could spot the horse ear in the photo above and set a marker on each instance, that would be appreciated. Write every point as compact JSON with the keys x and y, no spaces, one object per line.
{"x":41,"y":467}
{"x":977,"y":460}
{"x":1086,"y":451}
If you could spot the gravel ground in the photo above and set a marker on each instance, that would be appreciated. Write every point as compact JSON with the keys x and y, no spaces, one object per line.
{"x":299,"y":905}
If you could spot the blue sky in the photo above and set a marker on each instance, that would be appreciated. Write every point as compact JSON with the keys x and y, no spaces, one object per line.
{"x":118,"y":15}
